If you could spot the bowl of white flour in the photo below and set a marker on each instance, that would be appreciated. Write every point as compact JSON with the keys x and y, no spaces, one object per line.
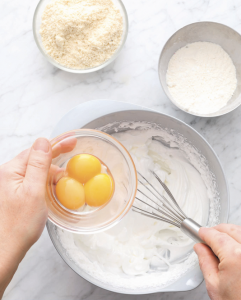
{"x":140,"y":255}
{"x":80,"y":36}
{"x":200,"y":69}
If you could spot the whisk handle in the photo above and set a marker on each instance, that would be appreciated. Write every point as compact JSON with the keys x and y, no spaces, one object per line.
{"x":191,"y":229}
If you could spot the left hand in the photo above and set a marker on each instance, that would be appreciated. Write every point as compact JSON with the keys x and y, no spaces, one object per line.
{"x":23,"y":211}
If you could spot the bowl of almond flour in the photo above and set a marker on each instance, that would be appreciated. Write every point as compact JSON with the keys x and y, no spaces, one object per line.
{"x":200,"y":69}
{"x":80,"y":36}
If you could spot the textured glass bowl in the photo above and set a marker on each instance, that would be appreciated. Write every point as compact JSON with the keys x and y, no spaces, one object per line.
{"x":105,"y":147}
{"x":36,"y":28}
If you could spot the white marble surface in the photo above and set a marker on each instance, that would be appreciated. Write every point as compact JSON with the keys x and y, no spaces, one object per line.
{"x":34,"y":95}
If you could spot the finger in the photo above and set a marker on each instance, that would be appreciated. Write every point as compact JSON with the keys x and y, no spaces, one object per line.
{"x":39,"y":161}
{"x":16,"y":168}
{"x":233,"y":231}
{"x":220,"y":242}
{"x":56,"y":173}
{"x":64,"y":146}
{"x":20,"y":162}
{"x":23,"y":156}
{"x":208,"y":262}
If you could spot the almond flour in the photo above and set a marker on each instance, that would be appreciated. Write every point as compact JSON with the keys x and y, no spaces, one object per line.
{"x":81,"y":34}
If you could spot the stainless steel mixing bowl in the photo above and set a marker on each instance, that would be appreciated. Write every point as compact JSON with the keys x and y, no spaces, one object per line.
{"x":226,"y":37}
{"x":101,"y":112}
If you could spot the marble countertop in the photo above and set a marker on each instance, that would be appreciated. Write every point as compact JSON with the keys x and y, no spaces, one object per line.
{"x":34,"y":95}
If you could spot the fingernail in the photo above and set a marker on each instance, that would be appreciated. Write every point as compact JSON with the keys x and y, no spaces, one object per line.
{"x":41,"y":144}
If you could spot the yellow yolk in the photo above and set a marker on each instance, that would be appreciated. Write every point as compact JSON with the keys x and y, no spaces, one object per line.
{"x":83,"y":167}
{"x":85,"y":183}
{"x":99,"y":190}
{"x":70,"y":193}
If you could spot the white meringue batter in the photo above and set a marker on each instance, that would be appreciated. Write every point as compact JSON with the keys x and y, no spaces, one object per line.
{"x":142,"y":252}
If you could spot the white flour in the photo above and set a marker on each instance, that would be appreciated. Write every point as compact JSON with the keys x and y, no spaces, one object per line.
{"x":141,"y":252}
{"x":81,"y":34}
{"x":201,"y":77}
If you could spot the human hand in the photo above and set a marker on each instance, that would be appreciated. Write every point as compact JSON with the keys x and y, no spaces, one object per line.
{"x":223,"y":274}
{"x":23,"y":211}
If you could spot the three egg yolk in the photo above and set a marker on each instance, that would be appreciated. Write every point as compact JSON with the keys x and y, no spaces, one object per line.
{"x":70,"y":193}
{"x":85,"y":183}
{"x":83,"y":167}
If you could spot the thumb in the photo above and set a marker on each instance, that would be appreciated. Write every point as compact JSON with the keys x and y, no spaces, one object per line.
{"x":38,"y":165}
{"x":208,"y":263}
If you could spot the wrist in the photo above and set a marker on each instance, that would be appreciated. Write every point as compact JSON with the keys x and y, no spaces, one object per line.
{"x":7,"y":269}
{"x":11,"y":255}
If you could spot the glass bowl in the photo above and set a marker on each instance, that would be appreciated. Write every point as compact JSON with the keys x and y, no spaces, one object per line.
{"x":37,"y":18}
{"x":119,"y":164}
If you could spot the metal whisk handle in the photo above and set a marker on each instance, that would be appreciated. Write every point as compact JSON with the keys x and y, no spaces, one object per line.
{"x":191,"y":229}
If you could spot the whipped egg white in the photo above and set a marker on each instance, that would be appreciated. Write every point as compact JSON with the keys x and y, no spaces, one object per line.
{"x":140,"y":251}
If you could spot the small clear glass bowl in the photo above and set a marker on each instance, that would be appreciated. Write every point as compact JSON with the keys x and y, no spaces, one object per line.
{"x":119,"y":165}
{"x":37,"y":19}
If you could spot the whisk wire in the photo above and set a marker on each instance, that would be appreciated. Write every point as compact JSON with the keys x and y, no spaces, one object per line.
{"x":171,"y":208}
{"x":168,"y":192}
{"x":154,"y":216}
{"x":160,"y":211}
{"x":164,"y":199}
{"x":163,"y":207}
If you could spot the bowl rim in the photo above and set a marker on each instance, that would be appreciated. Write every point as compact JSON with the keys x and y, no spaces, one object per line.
{"x":212,"y":115}
{"x":119,"y":106}
{"x":128,"y":205}
{"x":88,"y":70}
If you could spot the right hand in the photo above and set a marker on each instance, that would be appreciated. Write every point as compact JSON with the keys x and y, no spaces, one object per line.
{"x":223,"y":274}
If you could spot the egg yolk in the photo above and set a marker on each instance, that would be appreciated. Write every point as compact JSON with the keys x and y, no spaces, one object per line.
{"x":70,"y":193}
{"x":83,"y":167}
{"x":99,"y":190}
